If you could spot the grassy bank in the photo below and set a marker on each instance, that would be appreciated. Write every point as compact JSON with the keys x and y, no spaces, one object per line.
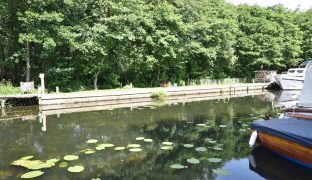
{"x":6,"y":88}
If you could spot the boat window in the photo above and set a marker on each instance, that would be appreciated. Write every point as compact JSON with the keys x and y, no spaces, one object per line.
{"x":300,"y":71}
{"x":291,"y":71}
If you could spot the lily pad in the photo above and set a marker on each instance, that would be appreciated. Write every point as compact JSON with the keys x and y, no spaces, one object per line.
{"x":70,"y":157}
{"x":201,"y":149}
{"x":63,"y":165}
{"x":167,"y":148}
{"x":242,"y":130}
{"x":214,"y":160}
{"x":245,"y":125}
{"x":212,"y":141}
{"x":217,"y":148}
{"x":134,"y":145}
{"x":32,"y":164}
{"x":177,"y":166}
{"x":53,"y":160}
{"x":75,"y":169}
{"x":32,"y":174}
{"x":148,"y":140}
{"x":135,"y":150}
{"x":89,"y":151}
{"x":99,"y":148}
{"x":193,"y":161}
{"x":167,"y":143}
{"x":201,"y":125}
{"x":221,"y":172}
{"x":188,"y":145}
{"x":26,"y":157}
{"x":106,"y":145}
{"x":139,"y":138}
{"x":92,"y":141}
{"x":223,"y":126}
{"x":119,"y":148}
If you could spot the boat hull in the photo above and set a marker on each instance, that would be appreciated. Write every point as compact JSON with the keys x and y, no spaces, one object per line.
{"x":287,"y":83}
{"x":290,"y":150}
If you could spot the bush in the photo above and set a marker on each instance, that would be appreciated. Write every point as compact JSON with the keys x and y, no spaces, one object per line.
{"x":159,"y":95}
{"x":6,"y":88}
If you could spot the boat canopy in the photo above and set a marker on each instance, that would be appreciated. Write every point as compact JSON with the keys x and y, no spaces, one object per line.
{"x":305,"y":97}
{"x":291,"y":129}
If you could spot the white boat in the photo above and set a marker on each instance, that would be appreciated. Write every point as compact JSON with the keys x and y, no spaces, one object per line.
{"x":294,"y":78}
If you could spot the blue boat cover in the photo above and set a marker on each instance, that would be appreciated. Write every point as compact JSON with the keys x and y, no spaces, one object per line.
{"x":292,"y":129}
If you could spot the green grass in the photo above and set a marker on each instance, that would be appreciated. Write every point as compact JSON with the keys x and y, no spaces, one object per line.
{"x":6,"y":88}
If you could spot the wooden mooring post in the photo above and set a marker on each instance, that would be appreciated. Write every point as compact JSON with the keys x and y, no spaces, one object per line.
{"x":2,"y":103}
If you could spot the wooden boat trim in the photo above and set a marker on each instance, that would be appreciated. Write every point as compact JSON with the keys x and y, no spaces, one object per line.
{"x":304,"y":110}
{"x":286,"y":148}
{"x":302,"y":116}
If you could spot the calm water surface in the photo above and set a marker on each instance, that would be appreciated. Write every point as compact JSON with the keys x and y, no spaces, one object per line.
{"x":177,"y":123}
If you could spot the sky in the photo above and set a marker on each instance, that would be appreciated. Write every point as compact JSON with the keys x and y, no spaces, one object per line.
{"x":291,"y":4}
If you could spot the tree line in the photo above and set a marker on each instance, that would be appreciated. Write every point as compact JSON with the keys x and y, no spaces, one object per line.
{"x":105,"y":43}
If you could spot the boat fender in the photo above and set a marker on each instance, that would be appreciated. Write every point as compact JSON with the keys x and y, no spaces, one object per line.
{"x":253,"y":138}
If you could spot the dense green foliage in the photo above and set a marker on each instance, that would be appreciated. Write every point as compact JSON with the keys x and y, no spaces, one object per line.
{"x":107,"y":42}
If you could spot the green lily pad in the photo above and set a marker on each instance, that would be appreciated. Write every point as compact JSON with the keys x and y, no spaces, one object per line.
{"x":135,"y":150}
{"x":214,"y":160}
{"x":188,"y":145}
{"x":92,"y":141}
{"x":167,"y":143}
{"x":245,"y":125}
{"x":119,"y":148}
{"x":99,"y":148}
{"x":63,"y":165}
{"x":167,"y":148}
{"x":201,"y":149}
{"x":26,"y":157}
{"x":32,"y":164}
{"x":207,"y":126}
{"x":70,"y":157}
{"x":193,"y":161}
{"x":75,"y":169}
{"x":134,"y":145}
{"x":201,"y":125}
{"x":212,"y":141}
{"x":106,"y":145}
{"x":177,"y":166}
{"x":53,"y":160}
{"x":139,"y":138}
{"x":90,"y":151}
{"x":32,"y":174}
{"x":223,"y":126}
{"x":148,"y":140}
{"x":217,"y":148}
{"x":242,"y":130}
{"x":221,"y":172}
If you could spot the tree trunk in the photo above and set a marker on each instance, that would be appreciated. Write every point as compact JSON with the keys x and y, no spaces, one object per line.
{"x":96,"y":79}
{"x":27,"y":62}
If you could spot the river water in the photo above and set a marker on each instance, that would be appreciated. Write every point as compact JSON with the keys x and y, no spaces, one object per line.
{"x":220,"y":127}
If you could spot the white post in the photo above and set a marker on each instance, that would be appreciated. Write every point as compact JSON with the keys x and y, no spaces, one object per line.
{"x":41,"y":76}
{"x":2,"y":103}
{"x":57,"y":89}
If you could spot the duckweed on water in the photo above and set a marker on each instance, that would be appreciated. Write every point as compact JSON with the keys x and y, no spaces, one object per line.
{"x":32,"y":174}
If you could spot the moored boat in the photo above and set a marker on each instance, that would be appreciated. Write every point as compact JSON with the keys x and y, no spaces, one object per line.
{"x":290,"y":135}
{"x":294,"y":79}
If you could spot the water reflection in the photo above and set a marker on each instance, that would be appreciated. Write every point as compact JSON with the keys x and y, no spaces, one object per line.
{"x":59,"y":135}
{"x":271,"y":166}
